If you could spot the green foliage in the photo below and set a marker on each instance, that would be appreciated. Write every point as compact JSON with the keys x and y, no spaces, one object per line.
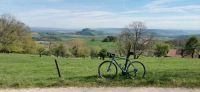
{"x":94,"y":51}
{"x":15,"y":36}
{"x":47,"y":52}
{"x":83,"y":52}
{"x":161,"y":50}
{"x":78,"y":48}
{"x":109,"y":39}
{"x":59,"y":50}
{"x":192,"y":45}
{"x":103,"y":53}
{"x":40,"y":50}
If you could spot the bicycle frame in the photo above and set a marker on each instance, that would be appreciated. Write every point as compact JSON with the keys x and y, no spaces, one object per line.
{"x":126,"y":64}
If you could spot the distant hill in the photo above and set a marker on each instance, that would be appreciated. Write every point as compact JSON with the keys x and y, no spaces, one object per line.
{"x":60,"y":30}
{"x":186,"y":36}
{"x":114,"y":31}
{"x":89,"y":32}
{"x":157,"y":32}
{"x":167,"y":33}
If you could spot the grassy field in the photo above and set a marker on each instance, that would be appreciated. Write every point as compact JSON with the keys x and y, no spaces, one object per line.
{"x":23,"y":71}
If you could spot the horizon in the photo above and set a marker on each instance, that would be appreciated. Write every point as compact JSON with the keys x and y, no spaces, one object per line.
{"x":55,"y":28}
{"x":68,"y":14}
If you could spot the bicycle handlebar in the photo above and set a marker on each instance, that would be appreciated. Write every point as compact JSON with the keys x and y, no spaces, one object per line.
{"x":111,"y":55}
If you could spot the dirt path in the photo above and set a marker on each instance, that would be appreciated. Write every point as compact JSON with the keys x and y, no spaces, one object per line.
{"x":118,"y":89}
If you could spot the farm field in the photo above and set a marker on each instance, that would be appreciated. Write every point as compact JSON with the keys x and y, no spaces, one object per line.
{"x":25,"y":71}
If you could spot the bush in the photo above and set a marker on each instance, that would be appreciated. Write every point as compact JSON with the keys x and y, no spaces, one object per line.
{"x":46,"y":52}
{"x":68,"y":53}
{"x":94,"y":51}
{"x":103,"y":54}
{"x":78,"y":48}
{"x":59,"y":50}
{"x":161,"y":50}
{"x":109,"y":39}
{"x":83,"y":52}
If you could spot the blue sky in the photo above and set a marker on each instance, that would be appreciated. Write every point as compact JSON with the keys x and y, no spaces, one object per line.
{"x":162,"y":14}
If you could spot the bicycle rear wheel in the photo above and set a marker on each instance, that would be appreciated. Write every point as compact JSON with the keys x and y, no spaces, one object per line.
{"x":136,"y":70}
{"x":107,"y":70}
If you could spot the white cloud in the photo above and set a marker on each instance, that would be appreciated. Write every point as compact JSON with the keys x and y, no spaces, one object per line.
{"x":163,"y":6}
{"x":51,"y":13}
{"x":81,"y":19}
{"x":158,"y":3}
{"x":188,"y":18}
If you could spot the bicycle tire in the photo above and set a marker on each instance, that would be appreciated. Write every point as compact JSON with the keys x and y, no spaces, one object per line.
{"x":142,"y":69}
{"x":112,"y":76}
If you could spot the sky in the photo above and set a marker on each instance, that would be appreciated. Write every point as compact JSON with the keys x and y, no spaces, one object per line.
{"x":156,"y":14}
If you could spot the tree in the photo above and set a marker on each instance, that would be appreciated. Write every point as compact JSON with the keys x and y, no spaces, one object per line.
{"x":191,"y":45}
{"x":161,"y":50}
{"x":40,"y":50}
{"x":198,"y":50}
{"x":15,"y":36}
{"x":134,"y":38}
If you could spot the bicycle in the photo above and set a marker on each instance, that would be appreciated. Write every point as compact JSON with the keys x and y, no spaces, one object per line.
{"x":133,"y":70}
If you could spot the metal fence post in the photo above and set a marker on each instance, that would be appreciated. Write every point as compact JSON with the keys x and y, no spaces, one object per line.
{"x":58,"y":70}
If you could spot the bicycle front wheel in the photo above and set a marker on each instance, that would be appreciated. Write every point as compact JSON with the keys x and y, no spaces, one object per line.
{"x":136,"y":70}
{"x":107,"y":70}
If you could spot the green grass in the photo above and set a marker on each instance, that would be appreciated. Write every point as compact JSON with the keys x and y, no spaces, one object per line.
{"x":103,"y":45}
{"x":23,"y":71}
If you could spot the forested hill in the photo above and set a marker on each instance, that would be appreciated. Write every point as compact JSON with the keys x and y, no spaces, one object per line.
{"x":89,"y":32}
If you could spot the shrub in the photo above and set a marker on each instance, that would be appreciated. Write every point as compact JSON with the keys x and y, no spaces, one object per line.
{"x":83,"y":52}
{"x":59,"y":50}
{"x":78,"y":48}
{"x":109,"y":39}
{"x":103,"y":54}
{"x":94,"y":51}
{"x":46,"y":52}
{"x":161,"y":50}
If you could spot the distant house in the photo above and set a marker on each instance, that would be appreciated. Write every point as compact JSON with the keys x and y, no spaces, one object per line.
{"x":172,"y":53}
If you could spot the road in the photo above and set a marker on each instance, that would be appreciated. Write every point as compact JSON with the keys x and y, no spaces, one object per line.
{"x":111,"y":89}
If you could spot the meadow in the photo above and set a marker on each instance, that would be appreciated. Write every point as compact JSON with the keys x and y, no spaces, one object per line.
{"x":24,"y":71}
